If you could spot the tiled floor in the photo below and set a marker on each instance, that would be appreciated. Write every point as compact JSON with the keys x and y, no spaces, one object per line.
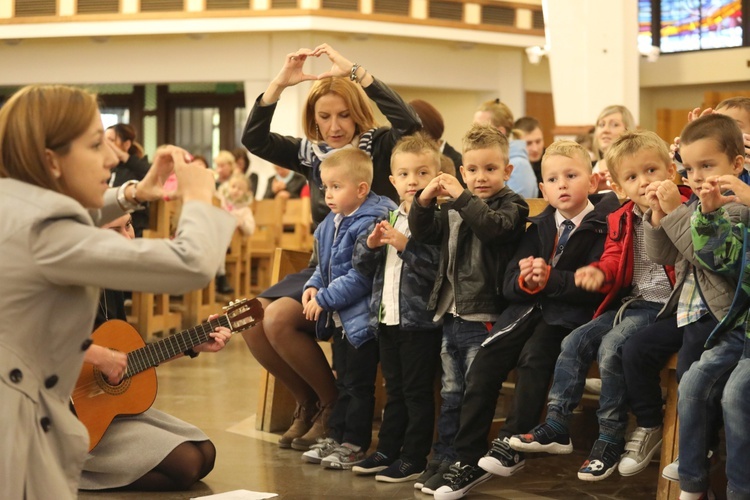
{"x":219,"y":394}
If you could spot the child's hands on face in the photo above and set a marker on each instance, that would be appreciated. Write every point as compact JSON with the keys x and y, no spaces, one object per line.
{"x":711,"y":197}
{"x":589,"y":278}
{"x":451,"y":186}
{"x":668,"y":195}
{"x":734,"y":184}
{"x":310,"y":306}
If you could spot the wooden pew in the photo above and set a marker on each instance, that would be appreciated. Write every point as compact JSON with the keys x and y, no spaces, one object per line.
{"x":264,"y":241}
{"x":150,"y":313}
{"x":296,"y":221}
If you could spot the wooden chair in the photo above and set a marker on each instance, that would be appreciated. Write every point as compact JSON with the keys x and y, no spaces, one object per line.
{"x":264,"y":241}
{"x":238,"y":265}
{"x":275,"y":403}
{"x":151,"y":313}
{"x":296,"y":222}
{"x":666,"y":489}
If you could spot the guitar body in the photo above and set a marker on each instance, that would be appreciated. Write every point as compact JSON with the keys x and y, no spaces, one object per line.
{"x":97,"y":402}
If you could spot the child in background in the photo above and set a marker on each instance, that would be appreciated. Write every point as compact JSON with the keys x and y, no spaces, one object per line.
{"x":711,"y":145}
{"x":404,"y":273}
{"x":545,"y":306}
{"x":337,"y":298}
{"x":236,"y":198}
{"x":636,"y":294}
{"x":478,"y":232}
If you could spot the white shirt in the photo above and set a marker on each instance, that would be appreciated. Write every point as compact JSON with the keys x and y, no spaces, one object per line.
{"x":389,"y":305}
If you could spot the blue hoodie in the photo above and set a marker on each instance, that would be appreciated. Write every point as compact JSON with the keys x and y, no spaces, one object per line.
{"x":522,"y":179}
{"x":341,"y":287}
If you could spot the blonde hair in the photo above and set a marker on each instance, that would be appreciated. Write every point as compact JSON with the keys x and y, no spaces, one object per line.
{"x":354,"y":97}
{"x":627,"y":120}
{"x":500,"y":114}
{"x":447,"y":166}
{"x":569,"y":149}
{"x":485,"y":137}
{"x":40,"y":117}
{"x":225,"y":156}
{"x":418,"y":143}
{"x":242,"y":179}
{"x":356,"y":163}
{"x":631,"y":143}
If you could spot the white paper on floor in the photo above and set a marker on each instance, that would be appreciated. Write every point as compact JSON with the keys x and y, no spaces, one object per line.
{"x":238,"y":495}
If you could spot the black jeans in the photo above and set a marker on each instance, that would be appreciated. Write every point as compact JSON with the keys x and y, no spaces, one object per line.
{"x":532,"y":348}
{"x":409,"y":361}
{"x":644,"y":355}
{"x":351,"y":418}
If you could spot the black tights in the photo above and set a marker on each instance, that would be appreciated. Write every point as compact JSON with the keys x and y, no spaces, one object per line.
{"x":183,"y":467}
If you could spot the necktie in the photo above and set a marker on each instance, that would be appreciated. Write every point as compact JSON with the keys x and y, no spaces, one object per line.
{"x":568,"y":227}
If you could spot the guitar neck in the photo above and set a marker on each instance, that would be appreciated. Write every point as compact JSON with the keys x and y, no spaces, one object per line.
{"x":153,"y":354}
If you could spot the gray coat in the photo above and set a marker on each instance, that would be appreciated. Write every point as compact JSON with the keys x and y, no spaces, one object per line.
{"x":52,"y":264}
{"x":671,"y":244}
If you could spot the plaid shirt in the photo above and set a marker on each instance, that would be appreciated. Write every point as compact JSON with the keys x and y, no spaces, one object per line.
{"x":691,"y":307}
{"x":650,"y":281}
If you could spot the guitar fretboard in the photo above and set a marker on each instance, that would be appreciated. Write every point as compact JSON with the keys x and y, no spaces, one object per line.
{"x":153,"y":354}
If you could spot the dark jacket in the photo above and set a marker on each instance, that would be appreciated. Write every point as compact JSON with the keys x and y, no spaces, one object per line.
{"x":285,"y":150}
{"x":135,"y":169}
{"x":294,"y":186}
{"x":341,"y":287}
{"x":418,"y":271}
{"x":561,"y":301}
{"x":487,"y":238}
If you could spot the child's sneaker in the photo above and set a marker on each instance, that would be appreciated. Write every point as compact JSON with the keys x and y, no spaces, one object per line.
{"x":320,"y":450}
{"x":438,"y":479}
{"x":399,"y":471}
{"x":372,"y":464}
{"x":431,"y":470}
{"x":639,"y":449}
{"x":461,"y":479}
{"x":670,"y":472}
{"x":344,"y":457}
{"x":502,"y":460}
{"x":601,"y":462}
{"x":544,"y":438}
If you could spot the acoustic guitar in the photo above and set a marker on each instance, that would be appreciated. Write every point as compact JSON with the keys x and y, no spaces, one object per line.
{"x":97,"y":402}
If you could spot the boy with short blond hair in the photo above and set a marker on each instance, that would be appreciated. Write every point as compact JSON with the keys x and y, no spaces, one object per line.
{"x":636,"y":291}
{"x":478,"y":230}
{"x":409,"y":339}
{"x":545,"y":306}
{"x":337,"y":298}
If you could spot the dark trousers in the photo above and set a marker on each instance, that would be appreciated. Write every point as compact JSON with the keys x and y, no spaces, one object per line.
{"x":644,"y":355}
{"x":409,"y":361}
{"x":693,"y":342}
{"x":532,"y":348}
{"x":351,"y":418}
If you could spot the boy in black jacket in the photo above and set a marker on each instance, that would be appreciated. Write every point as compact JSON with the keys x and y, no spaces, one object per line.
{"x":545,"y":305}
{"x":403,"y":272}
{"x":478,"y":231}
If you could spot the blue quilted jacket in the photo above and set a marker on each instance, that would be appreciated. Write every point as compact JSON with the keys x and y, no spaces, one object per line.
{"x":341,"y":287}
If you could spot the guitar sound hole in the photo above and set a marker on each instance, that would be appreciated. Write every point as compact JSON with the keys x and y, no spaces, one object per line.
{"x":103,"y":383}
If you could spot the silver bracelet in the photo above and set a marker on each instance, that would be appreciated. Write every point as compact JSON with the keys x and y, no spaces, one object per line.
{"x":353,"y":74}
{"x":125,"y":204}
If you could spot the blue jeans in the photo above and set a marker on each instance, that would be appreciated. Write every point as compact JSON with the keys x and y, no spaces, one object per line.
{"x":599,"y":340}
{"x":699,"y":407}
{"x":461,"y":342}
{"x":736,"y":406}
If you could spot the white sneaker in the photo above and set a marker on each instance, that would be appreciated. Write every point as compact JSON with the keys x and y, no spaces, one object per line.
{"x":320,"y":450}
{"x":641,"y":446}
{"x":670,"y":472}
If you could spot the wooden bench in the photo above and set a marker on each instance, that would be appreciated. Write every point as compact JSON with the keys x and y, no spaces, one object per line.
{"x":264,"y":241}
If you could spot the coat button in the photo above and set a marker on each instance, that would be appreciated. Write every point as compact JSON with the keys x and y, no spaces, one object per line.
{"x":50,"y":381}
{"x":46,"y":423}
{"x":16,"y":375}
{"x":86,"y":344}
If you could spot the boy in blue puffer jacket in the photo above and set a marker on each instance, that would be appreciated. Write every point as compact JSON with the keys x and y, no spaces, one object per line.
{"x":404,"y":273}
{"x":337,"y":297}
